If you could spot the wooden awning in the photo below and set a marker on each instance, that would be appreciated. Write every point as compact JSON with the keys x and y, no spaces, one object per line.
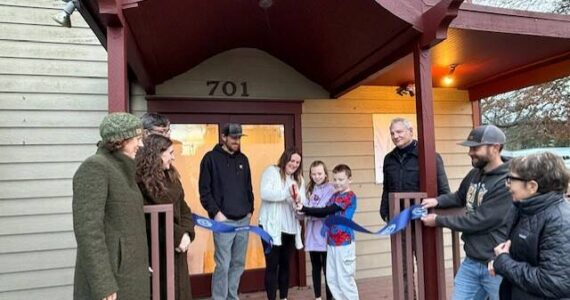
{"x":342,"y":44}
{"x":496,"y":50}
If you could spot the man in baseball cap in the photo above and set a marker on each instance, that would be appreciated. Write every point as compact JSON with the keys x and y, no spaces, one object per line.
{"x":226,"y":193}
{"x":484,"y":135}
{"x":487,"y":202}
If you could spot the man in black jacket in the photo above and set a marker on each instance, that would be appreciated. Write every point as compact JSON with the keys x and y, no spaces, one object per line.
{"x":487,"y":201}
{"x":401,"y":166}
{"x":226,"y":194}
{"x":401,"y":171}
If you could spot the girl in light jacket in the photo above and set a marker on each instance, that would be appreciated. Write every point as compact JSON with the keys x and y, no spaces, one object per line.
{"x":319,"y":192}
{"x":281,"y":186}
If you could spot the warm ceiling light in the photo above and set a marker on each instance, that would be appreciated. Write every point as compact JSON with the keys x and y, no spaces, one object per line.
{"x":448,"y":79}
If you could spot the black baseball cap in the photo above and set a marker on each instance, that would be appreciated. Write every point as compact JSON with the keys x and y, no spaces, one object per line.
{"x":232,"y":129}
{"x":484,"y":135}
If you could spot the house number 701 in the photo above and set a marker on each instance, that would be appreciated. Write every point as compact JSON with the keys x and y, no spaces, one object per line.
{"x":227,"y":88}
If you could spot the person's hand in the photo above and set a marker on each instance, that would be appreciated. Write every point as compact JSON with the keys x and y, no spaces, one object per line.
{"x":491,"y":268}
{"x":220,"y":217}
{"x":113,"y":296}
{"x":298,"y":206}
{"x":429,"y":203}
{"x":429,"y":220}
{"x":503,"y":248}
{"x":184,"y":243}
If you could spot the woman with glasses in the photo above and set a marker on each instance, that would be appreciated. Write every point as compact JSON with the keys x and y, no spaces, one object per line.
{"x":535,"y":261}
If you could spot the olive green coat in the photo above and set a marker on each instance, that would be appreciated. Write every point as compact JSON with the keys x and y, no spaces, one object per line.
{"x":109,"y":225}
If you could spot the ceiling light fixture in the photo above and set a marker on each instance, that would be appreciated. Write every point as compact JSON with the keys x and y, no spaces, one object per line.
{"x":448,"y":79}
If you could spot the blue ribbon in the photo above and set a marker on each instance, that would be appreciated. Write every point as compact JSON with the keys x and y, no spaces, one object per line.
{"x":220,"y":227}
{"x":397,"y":224}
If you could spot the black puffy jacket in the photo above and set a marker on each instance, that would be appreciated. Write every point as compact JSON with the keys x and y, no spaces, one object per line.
{"x":538,"y":265}
{"x":402,"y":174}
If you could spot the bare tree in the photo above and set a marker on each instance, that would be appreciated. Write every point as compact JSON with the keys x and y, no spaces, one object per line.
{"x":537,"y":116}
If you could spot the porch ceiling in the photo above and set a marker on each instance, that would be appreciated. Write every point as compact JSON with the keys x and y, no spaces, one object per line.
{"x":497,"y":50}
{"x":481,"y":56}
{"x":341,"y":44}
{"x":327,"y":41}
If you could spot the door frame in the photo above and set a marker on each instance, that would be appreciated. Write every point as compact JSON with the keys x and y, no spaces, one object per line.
{"x":201,"y":111}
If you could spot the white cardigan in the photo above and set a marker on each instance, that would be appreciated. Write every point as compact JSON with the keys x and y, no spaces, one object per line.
{"x":277,"y":213}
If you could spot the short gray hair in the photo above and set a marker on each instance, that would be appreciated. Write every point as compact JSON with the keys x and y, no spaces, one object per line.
{"x":404,"y":121}
{"x":152,"y":119}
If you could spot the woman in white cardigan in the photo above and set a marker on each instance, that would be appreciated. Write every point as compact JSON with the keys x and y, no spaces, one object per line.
{"x":281,"y":186}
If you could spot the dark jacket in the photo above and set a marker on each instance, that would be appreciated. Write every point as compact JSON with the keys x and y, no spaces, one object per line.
{"x":109,"y":226}
{"x":402,"y":174}
{"x":538,"y":265}
{"x":487,"y":202}
{"x":225,"y":184}
{"x":183,"y":223}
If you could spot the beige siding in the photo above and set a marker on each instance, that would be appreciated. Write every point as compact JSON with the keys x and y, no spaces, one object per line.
{"x":53,"y":94}
{"x":266,"y":77}
{"x":340,"y":131}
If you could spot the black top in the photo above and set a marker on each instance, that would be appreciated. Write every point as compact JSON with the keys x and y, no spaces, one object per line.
{"x":538,"y":265}
{"x":225,"y":184}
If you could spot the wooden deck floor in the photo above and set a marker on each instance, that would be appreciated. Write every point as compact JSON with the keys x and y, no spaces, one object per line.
{"x":370,"y":288}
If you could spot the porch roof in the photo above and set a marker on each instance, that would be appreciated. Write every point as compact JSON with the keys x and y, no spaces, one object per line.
{"x":342,"y":44}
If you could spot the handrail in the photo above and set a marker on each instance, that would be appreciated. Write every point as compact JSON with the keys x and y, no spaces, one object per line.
{"x":154,"y":211}
{"x":399,"y":202}
{"x":455,"y":245}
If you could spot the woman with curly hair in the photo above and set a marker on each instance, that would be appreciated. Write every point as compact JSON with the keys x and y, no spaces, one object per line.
{"x":160,"y":184}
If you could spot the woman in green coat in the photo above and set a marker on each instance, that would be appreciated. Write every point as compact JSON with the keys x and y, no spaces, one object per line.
{"x":108,"y":217}
{"x":160,"y":183}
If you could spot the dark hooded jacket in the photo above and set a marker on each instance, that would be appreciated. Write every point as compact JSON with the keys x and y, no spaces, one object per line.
{"x":538,"y":263}
{"x":402,"y":174}
{"x":487,"y":202}
{"x":225,"y":184}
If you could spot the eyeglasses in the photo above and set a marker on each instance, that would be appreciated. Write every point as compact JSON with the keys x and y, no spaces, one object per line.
{"x":160,"y":130}
{"x":510,"y":178}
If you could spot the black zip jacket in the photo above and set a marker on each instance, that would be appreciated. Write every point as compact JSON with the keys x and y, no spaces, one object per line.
{"x":487,"y":202}
{"x":225,"y":184}
{"x":538,"y":265}
{"x":402,"y":174}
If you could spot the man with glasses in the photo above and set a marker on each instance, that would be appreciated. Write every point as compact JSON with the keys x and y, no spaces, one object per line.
{"x":154,"y":123}
{"x":487,"y":201}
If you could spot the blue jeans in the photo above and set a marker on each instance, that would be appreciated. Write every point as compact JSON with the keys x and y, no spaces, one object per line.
{"x":229,"y":255}
{"x":473,"y":282}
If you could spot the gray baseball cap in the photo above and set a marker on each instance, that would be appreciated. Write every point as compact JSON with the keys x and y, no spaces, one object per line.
{"x":232,"y":129}
{"x":484,"y":135}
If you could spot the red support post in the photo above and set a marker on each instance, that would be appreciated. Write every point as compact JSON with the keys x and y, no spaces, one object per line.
{"x":432,"y":238}
{"x":118,"y":82}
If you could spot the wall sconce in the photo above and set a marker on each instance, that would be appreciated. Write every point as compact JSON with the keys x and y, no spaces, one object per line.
{"x":406,"y":89}
{"x":63,"y":17}
{"x":448,"y":79}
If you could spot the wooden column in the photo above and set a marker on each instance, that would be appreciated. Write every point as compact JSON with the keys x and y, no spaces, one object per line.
{"x":118,"y":82}
{"x":432,"y":239}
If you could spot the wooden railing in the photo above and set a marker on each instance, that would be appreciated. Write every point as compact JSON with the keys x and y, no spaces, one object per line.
{"x":399,"y":202}
{"x":155,"y":211}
